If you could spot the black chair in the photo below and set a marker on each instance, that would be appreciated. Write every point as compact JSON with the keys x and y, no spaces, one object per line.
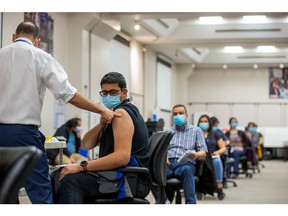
{"x":204,"y":183}
{"x":243,"y":165}
{"x":16,"y":164}
{"x":158,"y":162}
{"x":158,"y":144}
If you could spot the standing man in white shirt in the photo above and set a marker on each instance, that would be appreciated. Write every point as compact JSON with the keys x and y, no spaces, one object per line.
{"x":26,"y":71}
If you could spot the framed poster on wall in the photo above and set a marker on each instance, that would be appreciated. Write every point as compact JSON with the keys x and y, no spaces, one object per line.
{"x":278,"y":82}
{"x":45,"y":24}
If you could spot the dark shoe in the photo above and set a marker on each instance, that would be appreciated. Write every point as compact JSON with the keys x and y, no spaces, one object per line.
{"x":221,"y":195}
{"x":234,"y":175}
{"x":225,"y":183}
{"x":199,"y":196}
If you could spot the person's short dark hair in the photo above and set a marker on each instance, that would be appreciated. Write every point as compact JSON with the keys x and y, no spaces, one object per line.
{"x":179,"y":105}
{"x":214,"y":121}
{"x":114,"y":78}
{"x":28,"y":28}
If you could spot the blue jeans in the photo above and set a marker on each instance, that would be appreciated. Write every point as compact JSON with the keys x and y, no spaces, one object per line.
{"x":218,"y":169}
{"x":38,"y":185}
{"x":236,"y":155}
{"x":185,"y":172}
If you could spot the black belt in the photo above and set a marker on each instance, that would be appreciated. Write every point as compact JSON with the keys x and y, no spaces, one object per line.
{"x":29,"y":125}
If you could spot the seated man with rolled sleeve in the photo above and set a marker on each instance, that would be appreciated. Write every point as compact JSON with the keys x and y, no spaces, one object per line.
{"x":123,"y":142}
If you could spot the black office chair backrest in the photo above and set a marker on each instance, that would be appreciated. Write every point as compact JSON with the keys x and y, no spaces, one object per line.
{"x":158,"y":144}
{"x":16,"y":164}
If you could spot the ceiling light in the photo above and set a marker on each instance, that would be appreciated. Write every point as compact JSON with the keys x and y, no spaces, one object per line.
{"x":233,"y":49}
{"x":255,"y":19}
{"x":211,"y":19}
{"x":136,"y":26}
{"x":225,"y":66}
{"x":281,"y":66}
{"x":193,"y":66}
{"x":266,"y":48}
{"x":255,"y":66}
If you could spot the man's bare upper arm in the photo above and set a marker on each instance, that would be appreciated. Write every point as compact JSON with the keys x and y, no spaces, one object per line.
{"x":123,"y":130}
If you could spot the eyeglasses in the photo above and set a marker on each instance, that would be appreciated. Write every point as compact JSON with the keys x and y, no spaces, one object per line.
{"x":112,"y":92}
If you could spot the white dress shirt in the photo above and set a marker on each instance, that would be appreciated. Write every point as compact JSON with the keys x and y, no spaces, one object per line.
{"x":25,"y":73}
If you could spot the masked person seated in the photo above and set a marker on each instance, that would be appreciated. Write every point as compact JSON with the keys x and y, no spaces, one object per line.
{"x":122,"y":142}
{"x":71,"y":131}
{"x":216,"y":147}
{"x":186,"y":138}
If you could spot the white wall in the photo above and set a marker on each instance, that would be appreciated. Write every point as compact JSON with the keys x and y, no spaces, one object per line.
{"x":242,"y":93}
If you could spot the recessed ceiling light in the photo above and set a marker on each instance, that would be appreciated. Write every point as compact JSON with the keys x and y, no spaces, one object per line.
{"x":255,"y":18}
{"x":233,"y":49}
{"x":266,"y":49}
{"x":225,"y":66}
{"x":136,"y":26}
{"x":281,"y":66}
{"x":211,"y":19}
{"x":255,"y":66}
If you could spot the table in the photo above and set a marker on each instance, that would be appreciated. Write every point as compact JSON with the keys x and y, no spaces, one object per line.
{"x":56,"y":145}
{"x":285,"y":143}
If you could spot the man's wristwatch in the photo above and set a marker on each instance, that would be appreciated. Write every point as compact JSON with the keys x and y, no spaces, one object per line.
{"x":84,"y":165}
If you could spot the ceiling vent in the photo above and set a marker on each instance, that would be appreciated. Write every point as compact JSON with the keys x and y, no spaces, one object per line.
{"x":261,"y":57}
{"x":248,"y":30}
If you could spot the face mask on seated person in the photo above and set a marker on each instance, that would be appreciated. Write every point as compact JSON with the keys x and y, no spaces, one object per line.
{"x":179,"y":120}
{"x":204,"y":126}
{"x":252,"y":130}
{"x":234,"y":124}
{"x":77,"y":129}
{"x":111,"y":101}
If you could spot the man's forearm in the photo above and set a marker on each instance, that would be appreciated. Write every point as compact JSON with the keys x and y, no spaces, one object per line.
{"x":92,"y":137}
{"x":84,"y":103}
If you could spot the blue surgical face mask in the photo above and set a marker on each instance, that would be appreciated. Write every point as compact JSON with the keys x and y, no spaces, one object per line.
{"x":111,"y":101}
{"x":204,"y":126}
{"x":252,"y":129}
{"x":77,"y":129}
{"x":179,"y":120}
{"x":234,"y":124}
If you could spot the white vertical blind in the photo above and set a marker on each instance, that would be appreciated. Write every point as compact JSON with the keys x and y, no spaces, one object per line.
{"x":163,"y":86}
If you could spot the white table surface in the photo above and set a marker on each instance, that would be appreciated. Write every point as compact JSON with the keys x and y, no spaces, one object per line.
{"x":55,"y":145}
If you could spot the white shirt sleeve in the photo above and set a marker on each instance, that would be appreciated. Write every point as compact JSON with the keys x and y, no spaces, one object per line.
{"x":55,"y":78}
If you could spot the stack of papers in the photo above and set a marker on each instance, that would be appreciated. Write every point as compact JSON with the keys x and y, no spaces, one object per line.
{"x":186,"y":155}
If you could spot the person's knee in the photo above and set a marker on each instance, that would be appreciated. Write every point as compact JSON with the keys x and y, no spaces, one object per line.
{"x":187,"y":170}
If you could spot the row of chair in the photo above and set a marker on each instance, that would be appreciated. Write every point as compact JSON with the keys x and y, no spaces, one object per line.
{"x":17,"y":163}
